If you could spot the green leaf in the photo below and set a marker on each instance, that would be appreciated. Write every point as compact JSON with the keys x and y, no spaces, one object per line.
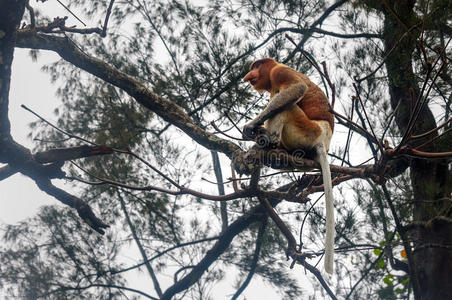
{"x":406,"y":281}
{"x":388,"y":279}
{"x":377,"y":252}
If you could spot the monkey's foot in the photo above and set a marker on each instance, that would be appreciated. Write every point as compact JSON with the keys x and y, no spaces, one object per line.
{"x":274,"y":141}
{"x":266,"y":140}
{"x":246,"y":162}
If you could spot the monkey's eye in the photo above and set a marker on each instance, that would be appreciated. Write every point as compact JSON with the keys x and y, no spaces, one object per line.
{"x":256,"y":65}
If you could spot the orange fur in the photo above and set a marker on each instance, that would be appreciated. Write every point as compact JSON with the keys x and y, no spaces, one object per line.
{"x":268,"y":75}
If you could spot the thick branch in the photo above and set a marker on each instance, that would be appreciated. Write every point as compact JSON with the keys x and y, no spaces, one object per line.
{"x":167,"y":110}
{"x":65,"y":154}
{"x":83,"y":209}
{"x":7,"y":171}
{"x":16,"y":156}
{"x":10,"y":16}
{"x":280,"y":159}
{"x":20,"y":159}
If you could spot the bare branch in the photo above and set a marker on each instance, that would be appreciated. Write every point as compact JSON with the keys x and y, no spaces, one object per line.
{"x":140,"y":246}
{"x":65,"y":154}
{"x":181,"y":191}
{"x":16,"y":156}
{"x":83,"y":209}
{"x":74,"y":15}
{"x":56,"y":128}
{"x":214,"y":252}
{"x":7,"y":171}
{"x":107,"y":17}
{"x":319,"y":277}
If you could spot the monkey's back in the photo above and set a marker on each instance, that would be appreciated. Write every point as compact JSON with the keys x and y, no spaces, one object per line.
{"x":314,"y":103}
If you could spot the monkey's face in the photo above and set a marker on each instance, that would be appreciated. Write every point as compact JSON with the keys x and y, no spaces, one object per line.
{"x":259,"y":78}
{"x":259,"y":75}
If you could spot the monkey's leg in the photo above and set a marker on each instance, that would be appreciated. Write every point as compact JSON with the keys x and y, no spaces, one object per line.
{"x":299,"y":132}
{"x":274,"y":127}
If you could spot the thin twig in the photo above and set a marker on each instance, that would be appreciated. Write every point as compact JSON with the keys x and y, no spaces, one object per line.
{"x":422,"y":99}
{"x":107,"y":17}
{"x":292,"y":243}
{"x":349,"y":134}
{"x":181,"y":191}
{"x":434,"y":139}
{"x":380,"y":146}
{"x":359,"y":80}
{"x":364,"y":131}
{"x":58,"y":129}
{"x":224,"y":133}
{"x":32,"y":14}
{"x":405,"y":239}
{"x":304,"y":220}
{"x":67,"y":8}
{"x":319,"y":277}
{"x":430,"y":131}
{"x":259,"y":241}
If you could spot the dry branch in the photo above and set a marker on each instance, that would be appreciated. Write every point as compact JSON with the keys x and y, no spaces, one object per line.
{"x":65,"y":154}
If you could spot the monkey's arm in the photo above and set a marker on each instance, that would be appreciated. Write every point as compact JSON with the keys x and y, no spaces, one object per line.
{"x":281,"y":101}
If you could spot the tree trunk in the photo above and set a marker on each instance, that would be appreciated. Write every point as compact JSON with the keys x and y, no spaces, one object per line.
{"x":431,"y":254}
{"x":10,"y":16}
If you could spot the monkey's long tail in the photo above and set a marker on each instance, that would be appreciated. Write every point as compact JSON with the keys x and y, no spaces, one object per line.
{"x":329,"y":207}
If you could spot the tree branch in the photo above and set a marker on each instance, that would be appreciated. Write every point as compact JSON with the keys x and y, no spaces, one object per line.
{"x":16,"y":156}
{"x":167,"y":110}
{"x":7,"y":171}
{"x":65,"y":154}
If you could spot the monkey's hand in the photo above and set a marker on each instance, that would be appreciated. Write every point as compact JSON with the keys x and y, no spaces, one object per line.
{"x":251,"y":131}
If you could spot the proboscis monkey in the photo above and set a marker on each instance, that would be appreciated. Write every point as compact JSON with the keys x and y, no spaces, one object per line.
{"x":297,"y":117}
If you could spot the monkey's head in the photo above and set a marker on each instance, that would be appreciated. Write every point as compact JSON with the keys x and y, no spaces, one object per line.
{"x":259,"y":74}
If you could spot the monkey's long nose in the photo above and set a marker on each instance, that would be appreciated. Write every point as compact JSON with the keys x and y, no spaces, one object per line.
{"x":249,"y":77}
